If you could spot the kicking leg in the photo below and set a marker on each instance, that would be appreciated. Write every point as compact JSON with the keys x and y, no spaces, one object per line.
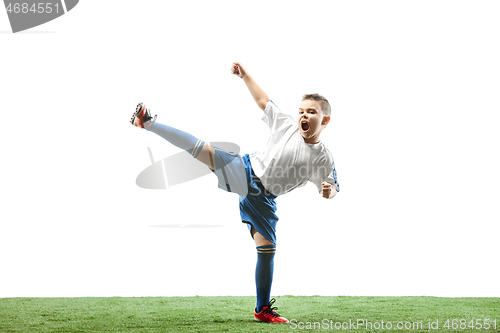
{"x":206,"y":156}
{"x":200,"y":150}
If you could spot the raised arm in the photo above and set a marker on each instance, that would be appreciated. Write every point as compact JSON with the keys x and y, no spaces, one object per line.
{"x":258,"y":94}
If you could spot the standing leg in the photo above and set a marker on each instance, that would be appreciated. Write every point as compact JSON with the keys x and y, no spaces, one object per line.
{"x":264,"y":269}
{"x":264,"y":278}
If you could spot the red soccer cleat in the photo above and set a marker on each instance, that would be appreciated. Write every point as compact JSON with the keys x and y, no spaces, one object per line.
{"x":142,"y":117}
{"x":269,"y":315}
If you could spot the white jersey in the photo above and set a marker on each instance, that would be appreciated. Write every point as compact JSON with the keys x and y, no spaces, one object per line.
{"x":288,"y":162}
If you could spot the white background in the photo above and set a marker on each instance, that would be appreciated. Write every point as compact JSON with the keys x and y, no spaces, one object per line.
{"x":414,"y":88}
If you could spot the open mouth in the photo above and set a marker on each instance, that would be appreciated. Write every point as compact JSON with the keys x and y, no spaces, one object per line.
{"x":305,"y":126}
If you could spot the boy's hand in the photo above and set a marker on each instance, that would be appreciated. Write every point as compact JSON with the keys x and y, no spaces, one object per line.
{"x":327,"y":190}
{"x":259,"y":95}
{"x":238,"y":69}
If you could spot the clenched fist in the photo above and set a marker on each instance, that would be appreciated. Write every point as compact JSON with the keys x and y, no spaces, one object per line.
{"x":328,"y":191}
{"x":238,"y":69}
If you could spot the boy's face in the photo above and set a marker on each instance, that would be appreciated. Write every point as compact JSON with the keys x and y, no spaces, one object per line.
{"x":311,"y":120}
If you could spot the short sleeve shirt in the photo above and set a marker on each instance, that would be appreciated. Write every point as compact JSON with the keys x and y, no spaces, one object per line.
{"x":288,"y":162}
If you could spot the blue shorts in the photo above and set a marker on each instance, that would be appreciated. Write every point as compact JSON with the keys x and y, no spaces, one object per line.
{"x":257,"y":205}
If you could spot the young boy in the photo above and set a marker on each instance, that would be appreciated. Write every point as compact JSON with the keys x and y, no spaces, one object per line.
{"x":293,"y":156}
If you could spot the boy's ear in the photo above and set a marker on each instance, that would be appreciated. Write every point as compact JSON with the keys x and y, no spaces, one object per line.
{"x":326,"y":120}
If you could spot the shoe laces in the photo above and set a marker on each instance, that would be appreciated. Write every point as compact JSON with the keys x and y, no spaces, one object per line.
{"x":148,"y":120}
{"x":147,"y":115}
{"x":270,"y":310}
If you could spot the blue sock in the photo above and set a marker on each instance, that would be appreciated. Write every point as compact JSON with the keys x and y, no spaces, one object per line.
{"x":178,"y":138}
{"x":264,"y":274}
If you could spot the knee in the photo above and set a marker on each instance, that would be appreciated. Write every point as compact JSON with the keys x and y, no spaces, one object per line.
{"x":206,"y":156}
{"x":259,"y":239}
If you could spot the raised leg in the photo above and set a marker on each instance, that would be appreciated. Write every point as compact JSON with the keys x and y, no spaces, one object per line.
{"x":200,"y":150}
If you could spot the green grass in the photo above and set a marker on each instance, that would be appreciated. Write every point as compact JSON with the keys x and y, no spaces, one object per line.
{"x":234,"y":314}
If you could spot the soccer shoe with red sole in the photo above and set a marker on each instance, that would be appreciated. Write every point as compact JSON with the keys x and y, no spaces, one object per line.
{"x":142,"y":117}
{"x":269,"y":315}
